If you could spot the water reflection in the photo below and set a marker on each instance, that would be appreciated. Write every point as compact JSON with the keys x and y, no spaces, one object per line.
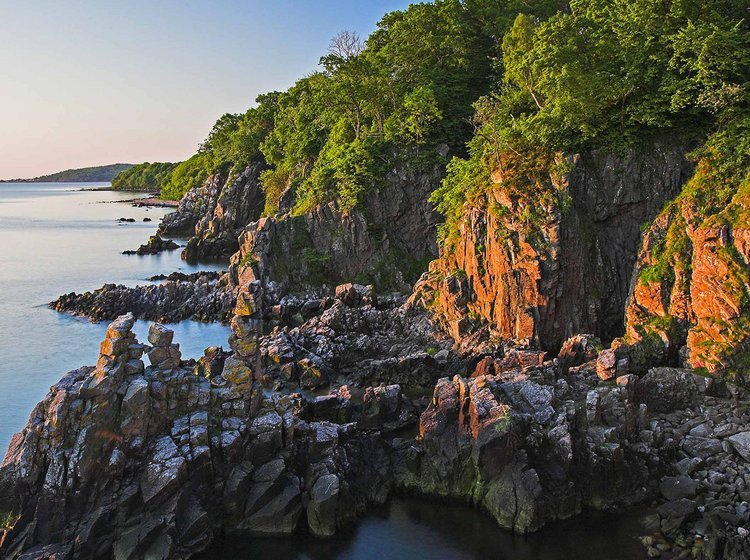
{"x":417,"y":528}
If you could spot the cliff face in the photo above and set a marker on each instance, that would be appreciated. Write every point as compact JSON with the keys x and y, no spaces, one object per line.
{"x":555,"y":258}
{"x":691,"y":293}
{"x":386,"y":240}
{"x":215,"y":213}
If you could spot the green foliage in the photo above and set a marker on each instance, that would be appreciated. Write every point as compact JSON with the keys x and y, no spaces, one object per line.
{"x":718,"y":193}
{"x":372,"y":105}
{"x":8,"y":519}
{"x":416,"y":117}
{"x":606,"y":74}
{"x":144,"y":177}
{"x":275,"y":182}
{"x":248,"y":259}
{"x":186,"y":175}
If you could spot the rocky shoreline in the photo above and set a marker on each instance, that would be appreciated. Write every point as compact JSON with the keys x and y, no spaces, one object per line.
{"x":203,"y":296}
{"x":477,"y":386}
{"x":156,"y":461}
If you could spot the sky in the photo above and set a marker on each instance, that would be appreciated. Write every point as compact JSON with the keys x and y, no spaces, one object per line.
{"x":86,"y":83}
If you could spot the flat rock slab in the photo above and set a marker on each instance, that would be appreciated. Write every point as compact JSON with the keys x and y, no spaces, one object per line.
{"x":741,"y":444}
{"x":676,"y":487}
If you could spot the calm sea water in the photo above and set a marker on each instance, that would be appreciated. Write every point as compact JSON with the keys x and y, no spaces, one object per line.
{"x":54,"y":239}
{"x":423,"y":529}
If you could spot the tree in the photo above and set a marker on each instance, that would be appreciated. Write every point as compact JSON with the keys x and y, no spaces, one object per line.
{"x":346,"y":45}
{"x":421,"y":112}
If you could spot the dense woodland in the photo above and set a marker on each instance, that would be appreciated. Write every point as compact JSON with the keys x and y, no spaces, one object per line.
{"x":511,"y":85}
{"x":144,"y":177}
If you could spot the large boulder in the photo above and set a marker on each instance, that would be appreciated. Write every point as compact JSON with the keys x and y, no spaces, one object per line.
{"x":323,"y":506}
{"x":666,"y":389}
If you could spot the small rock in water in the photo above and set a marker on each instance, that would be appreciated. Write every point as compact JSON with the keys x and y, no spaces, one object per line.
{"x":154,"y":245}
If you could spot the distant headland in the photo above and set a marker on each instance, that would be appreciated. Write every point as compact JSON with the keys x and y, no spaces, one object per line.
{"x":85,"y":174}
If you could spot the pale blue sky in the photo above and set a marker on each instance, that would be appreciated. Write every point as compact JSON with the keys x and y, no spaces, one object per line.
{"x":95,"y":82}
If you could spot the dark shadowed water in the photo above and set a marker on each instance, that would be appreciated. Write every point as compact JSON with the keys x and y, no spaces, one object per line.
{"x":427,"y":530}
{"x":55,"y":238}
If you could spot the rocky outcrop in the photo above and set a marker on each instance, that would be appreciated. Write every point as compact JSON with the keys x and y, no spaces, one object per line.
{"x":386,"y":240}
{"x":149,"y":461}
{"x":370,"y":340}
{"x":153,"y":246}
{"x":553,"y":257}
{"x":187,"y":277}
{"x":528,"y":447}
{"x":691,"y":290}
{"x":153,"y":461}
{"x":214,"y":213}
{"x":202,"y":297}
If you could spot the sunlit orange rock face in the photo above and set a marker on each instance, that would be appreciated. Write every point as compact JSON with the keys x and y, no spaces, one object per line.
{"x":554,"y":257}
{"x":693,"y":286}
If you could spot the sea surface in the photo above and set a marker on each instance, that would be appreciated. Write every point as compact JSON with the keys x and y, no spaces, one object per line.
{"x":412,"y":528}
{"x":56,"y":238}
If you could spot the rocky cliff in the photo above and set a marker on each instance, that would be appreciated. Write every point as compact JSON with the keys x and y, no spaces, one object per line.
{"x":214,"y":213}
{"x":691,"y":288}
{"x":542,"y":256}
{"x":386,"y":240}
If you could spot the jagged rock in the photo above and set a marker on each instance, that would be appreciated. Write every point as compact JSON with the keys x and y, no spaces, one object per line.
{"x":164,"y":473}
{"x":236,"y":371}
{"x":379,"y":341}
{"x":214,"y":213}
{"x":159,"y":335}
{"x":278,"y":512}
{"x":545,"y":282}
{"x":211,"y":364}
{"x":201,"y":297}
{"x":578,"y":350}
{"x":697,"y":312}
{"x":701,"y":447}
{"x":385,"y":408}
{"x":164,"y":457}
{"x":666,"y":389}
{"x":677,"y":487}
{"x":606,"y":364}
{"x":148,"y":469}
{"x":165,"y":357}
{"x":204,"y":275}
{"x":155,"y":245}
{"x":311,"y":375}
{"x":384,"y":238}
{"x":321,"y":511}
{"x":741,"y":444}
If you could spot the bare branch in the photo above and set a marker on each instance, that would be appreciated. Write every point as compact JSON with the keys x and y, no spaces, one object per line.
{"x":347,"y":44}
